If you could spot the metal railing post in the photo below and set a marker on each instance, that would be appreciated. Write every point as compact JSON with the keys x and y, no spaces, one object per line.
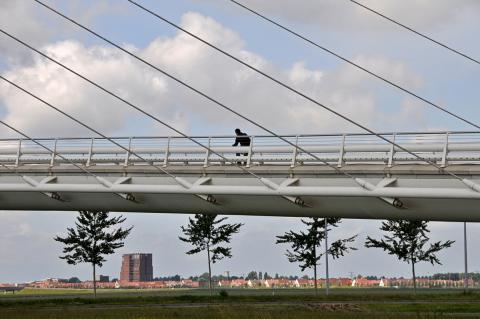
{"x":207,"y":153}
{"x":127,"y":154}
{"x":19,"y":153}
{"x":392,"y":151}
{"x":295,"y":153}
{"x":342,"y":151}
{"x":90,"y":152}
{"x":249,"y":156}
{"x":167,"y":153}
{"x":54,"y":153}
{"x":445,"y":152}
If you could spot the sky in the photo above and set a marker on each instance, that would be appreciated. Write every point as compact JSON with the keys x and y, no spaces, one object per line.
{"x":27,"y":249}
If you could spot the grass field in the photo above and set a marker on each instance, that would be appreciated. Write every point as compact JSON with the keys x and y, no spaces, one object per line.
{"x":240,"y":303}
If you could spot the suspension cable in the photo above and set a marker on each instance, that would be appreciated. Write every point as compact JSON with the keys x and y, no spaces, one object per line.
{"x":83,"y":124}
{"x":166,"y":124}
{"x":279,"y":82}
{"x":235,"y":112}
{"x":357,"y":65}
{"x":415,"y":32}
{"x":83,"y":169}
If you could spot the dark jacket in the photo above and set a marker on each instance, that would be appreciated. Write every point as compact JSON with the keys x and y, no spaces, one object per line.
{"x":242,"y":139}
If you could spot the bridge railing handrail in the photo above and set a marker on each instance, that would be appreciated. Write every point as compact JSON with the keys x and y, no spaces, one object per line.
{"x":443,"y":147}
{"x":436,"y":147}
{"x":256,"y":135}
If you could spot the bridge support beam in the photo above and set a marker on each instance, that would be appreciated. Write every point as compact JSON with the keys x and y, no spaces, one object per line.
{"x":395,"y":202}
{"x":123,"y":180}
{"x":297,"y":200}
{"x":202,"y":181}
{"x":34,"y":183}
{"x":333,"y":191}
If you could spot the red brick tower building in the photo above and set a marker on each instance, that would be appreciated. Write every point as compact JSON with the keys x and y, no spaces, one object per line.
{"x":136,"y":267}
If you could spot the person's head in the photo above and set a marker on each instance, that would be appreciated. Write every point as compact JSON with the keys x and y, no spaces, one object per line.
{"x":237,"y":131}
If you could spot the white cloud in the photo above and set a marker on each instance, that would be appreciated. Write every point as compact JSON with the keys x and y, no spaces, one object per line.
{"x":71,"y":94}
{"x":18,"y":18}
{"x":344,"y":15}
{"x":345,"y":89}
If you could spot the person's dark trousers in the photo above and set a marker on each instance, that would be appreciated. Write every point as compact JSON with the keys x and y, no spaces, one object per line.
{"x":242,"y":163}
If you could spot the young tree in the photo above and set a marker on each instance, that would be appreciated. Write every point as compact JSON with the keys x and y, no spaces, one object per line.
{"x":407,"y":242}
{"x":305,"y":244}
{"x":253,"y":275}
{"x":74,"y":280}
{"x":205,"y":233}
{"x":91,"y":240}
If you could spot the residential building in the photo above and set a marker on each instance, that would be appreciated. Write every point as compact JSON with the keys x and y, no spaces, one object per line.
{"x":102,"y":278}
{"x":136,"y":268}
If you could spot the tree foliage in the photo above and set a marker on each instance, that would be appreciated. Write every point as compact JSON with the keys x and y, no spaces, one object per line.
{"x":91,"y":239}
{"x":408,"y":241}
{"x":205,"y":233}
{"x":305,"y":243}
{"x":74,"y":280}
{"x":252,"y":275}
{"x":202,"y":232}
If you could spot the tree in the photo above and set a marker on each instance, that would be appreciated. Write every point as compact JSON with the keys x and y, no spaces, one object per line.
{"x":305,"y":244}
{"x":74,"y":280}
{"x":204,"y":233}
{"x":253,"y":275}
{"x":91,"y":240}
{"x":407,"y":241}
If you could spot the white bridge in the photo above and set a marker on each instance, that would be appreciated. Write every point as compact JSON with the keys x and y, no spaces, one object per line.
{"x":366,"y":177}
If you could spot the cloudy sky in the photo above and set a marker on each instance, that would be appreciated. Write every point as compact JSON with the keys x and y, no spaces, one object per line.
{"x":27,"y":251}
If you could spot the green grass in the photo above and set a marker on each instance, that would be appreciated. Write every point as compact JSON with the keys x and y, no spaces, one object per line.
{"x":437,"y":308}
{"x":342,"y":294}
{"x":240,"y":303}
{"x":207,"y":312}
{"x":232,"y":312}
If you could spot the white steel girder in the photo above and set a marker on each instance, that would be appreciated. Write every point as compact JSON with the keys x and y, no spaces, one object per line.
{"x":336,"y":191}
{"x":425,"y":197}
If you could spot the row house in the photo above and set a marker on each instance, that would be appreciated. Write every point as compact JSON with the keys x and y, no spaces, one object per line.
{"x":185,"y":283}
{"x":363,"y":282}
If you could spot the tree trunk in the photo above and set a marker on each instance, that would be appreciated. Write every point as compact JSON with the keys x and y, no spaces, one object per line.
{"x":94,"y":282}
{"x":209,"y":272}
{"x":327,"y":275}
{"x":315,"y":270}
{"x":465,"y":279}
{"x":414,"y":277}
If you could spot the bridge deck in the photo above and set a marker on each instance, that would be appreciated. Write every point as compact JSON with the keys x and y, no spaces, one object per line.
{"x":387,"y":183}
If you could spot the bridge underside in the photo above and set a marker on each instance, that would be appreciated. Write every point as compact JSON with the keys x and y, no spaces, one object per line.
{"x":405,"y":191}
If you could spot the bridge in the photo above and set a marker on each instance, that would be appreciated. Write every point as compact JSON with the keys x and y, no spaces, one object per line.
{"x":345,"y":175}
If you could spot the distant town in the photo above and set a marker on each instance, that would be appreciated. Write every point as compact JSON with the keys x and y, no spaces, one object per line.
{"x":137,"y":272}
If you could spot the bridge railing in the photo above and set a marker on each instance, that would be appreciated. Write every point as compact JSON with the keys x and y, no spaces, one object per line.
{"x":443,"y":148}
